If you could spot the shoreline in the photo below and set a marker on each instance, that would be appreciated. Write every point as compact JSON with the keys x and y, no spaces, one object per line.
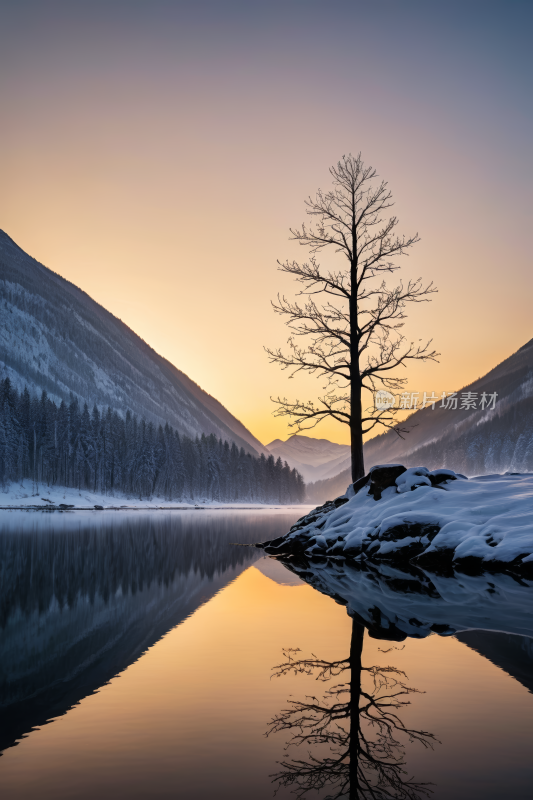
{"x":26,"y":497}
{"x":50,"y":509}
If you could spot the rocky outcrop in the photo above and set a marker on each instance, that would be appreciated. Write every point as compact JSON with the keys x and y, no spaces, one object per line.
{"x":437,"y":520}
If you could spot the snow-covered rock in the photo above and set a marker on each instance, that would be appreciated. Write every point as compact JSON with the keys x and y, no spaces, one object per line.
{"x":434,"y":519}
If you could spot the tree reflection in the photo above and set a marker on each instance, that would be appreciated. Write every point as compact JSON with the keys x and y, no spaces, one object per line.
{"x":359,"y":721}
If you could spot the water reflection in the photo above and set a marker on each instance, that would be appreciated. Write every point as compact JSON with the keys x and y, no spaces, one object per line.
{"x":491,"y":614}
{"x":399,"y":602}
{"x":513,"y":654}
{"x":359,"y":720}
{"x":82,"y":597}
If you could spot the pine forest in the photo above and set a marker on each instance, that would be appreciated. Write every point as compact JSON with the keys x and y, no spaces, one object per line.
{"x":102,"y":451}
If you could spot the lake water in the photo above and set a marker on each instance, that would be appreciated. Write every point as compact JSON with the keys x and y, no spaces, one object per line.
{"x":136,"y":660}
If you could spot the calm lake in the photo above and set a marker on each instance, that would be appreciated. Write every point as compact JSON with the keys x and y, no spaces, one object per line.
{"x":137,"y":651}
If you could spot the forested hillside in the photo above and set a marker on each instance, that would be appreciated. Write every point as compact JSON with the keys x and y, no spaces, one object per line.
{"x":68,"y":445}
{"x":502,"y":443}
{"x":329,"y":488}
{"x":465,"y":436}
{"x":53,"y":336}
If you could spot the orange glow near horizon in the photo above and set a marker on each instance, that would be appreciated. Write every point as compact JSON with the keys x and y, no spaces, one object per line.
{"x":158,"y":163}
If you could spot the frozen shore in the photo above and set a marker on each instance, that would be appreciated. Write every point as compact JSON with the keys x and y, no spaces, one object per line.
{"x":60,"y":498}
{"x":436,"y":520}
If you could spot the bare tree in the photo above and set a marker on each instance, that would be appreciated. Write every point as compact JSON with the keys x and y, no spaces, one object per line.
{"x":361,"y":725}
{"x":355,"y":333}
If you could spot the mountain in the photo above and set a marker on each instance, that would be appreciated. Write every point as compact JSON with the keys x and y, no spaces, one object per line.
{"x":473,"y":441}
{"x":53,"y":336}
{"x":314,"y":459}
{"x":327,"y":489}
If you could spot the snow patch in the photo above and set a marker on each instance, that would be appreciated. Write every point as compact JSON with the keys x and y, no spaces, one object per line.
{"x":489,"y":519}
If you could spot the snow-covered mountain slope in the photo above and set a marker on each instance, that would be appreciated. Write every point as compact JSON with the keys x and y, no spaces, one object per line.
{"x":324,"y":490}
{"x":53,"y":336}
{"x":314,"y":459}
{"x":338,"y":466}
{"x":472,"y":441}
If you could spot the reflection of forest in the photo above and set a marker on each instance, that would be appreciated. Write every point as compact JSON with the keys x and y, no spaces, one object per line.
{"x":81,"y":602}
{"x":359,"y":720}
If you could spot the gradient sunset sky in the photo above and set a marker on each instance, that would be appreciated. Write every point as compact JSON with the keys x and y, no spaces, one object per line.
{"x":156,"y":154}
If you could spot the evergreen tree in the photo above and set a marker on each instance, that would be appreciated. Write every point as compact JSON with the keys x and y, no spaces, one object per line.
{"x":101,"y":451}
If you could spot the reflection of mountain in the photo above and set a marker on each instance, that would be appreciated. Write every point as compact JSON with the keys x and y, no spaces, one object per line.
{"x":271,"y":568}
{"x":513,"y":654}
{"x":81,"y":599}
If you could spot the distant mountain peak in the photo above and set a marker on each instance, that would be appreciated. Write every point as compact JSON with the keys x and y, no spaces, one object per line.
{"x":314,"y":459}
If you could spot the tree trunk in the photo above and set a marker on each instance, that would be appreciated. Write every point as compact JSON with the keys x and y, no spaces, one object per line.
{"x":356,"y":433}
{"x":356,"y":650}
{"x":356,"y":411}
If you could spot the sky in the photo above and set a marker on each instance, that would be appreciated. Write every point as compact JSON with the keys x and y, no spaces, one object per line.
{"x":157,"y":153}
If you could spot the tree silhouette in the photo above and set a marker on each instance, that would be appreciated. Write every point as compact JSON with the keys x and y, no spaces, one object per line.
{"x":361,"y":725}
{"x":355,"y":332}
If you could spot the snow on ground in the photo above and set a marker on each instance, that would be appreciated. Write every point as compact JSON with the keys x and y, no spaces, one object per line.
{"x":24,"y":496}
{"x":424,"y":516}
